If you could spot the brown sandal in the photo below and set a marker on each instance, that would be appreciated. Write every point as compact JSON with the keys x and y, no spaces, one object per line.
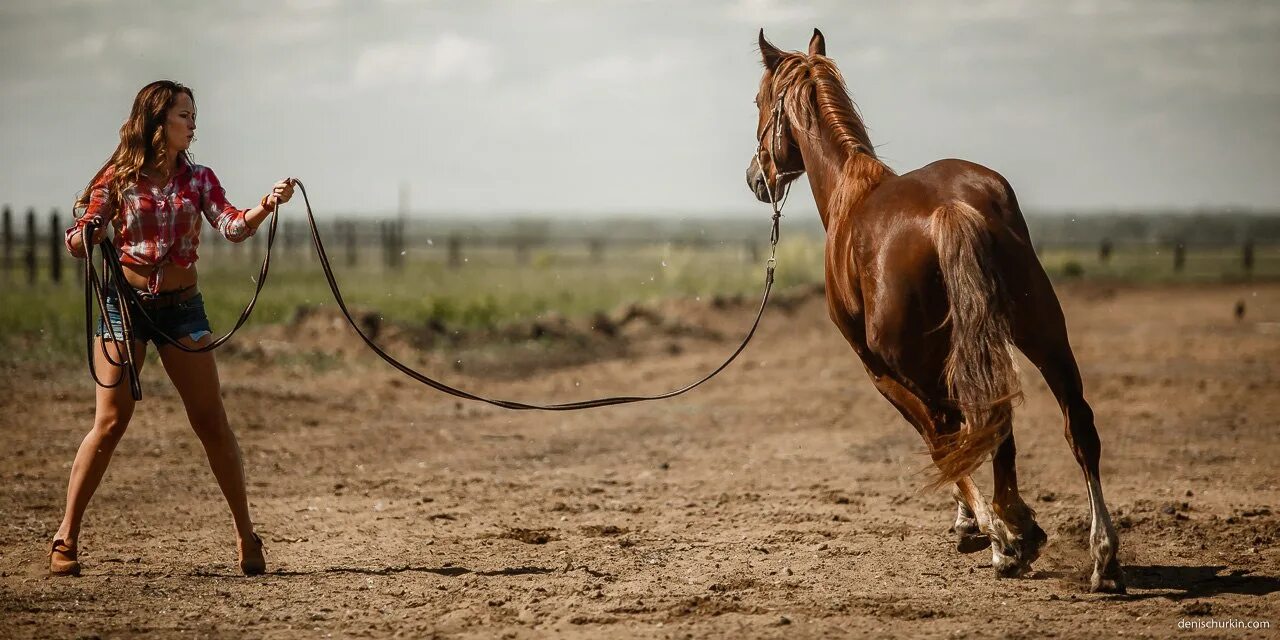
{"x":252,"y":560}
{"x":63,"y":559}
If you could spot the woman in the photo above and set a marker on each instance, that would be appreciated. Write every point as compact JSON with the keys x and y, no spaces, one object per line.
{"x":153,"y":196}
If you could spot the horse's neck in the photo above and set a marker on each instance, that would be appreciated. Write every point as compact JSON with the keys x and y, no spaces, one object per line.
{"x":839,"y":178}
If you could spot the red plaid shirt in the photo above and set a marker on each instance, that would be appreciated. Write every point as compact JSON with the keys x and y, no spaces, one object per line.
{"x":161,"y":223}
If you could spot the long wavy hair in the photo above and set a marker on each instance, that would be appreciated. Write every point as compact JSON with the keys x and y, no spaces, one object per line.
{"x":142,"y":139}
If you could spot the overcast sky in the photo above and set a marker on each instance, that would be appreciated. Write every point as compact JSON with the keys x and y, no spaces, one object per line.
{"x":581,"y":107}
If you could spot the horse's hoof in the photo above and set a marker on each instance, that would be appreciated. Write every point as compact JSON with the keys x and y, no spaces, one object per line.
{"x":969,"y":539}
{"x":1031,"y":543}
{"x":1113,"y":584}
{"x":1008,"y":567}
{"x":1106,"y":585}
{"x":972,"y":542}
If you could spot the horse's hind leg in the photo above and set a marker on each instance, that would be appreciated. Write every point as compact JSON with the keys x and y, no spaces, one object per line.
{"x":1041,"y":333}
{"x":1014,"y":521}
{"x":1063,"y":376}
{"x":1012,"y":549}
{"x":969,"y":535}
{"x":1008,"y":527}
{"x":976,"y":526}
{"x":973,"y":519}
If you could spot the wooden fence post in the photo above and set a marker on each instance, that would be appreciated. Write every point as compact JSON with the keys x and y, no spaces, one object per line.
{"x":30,"y":255}
{"x":350,"y":230}
{"x":7,"y":265}
{"x":522,"y":251}
{"x":55,"y":248}
{"x":397,"y":249}
{"x":392,"y":243}
{"x":455,"y":251}
{"x":385,"y":236}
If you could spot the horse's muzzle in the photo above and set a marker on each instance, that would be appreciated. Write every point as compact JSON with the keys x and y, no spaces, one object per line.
{"x":756,"y":181}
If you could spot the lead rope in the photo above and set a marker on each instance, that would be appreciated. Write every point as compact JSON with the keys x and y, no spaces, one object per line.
{"x":770,"y":266}
{"x":512,"y":404}
{"x":97,"y":287}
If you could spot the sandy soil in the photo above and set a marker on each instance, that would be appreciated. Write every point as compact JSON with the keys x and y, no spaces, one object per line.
{"x":780,"y":500}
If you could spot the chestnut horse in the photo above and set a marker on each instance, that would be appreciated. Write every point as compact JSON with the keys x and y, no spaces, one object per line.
{"x":932,"y":279}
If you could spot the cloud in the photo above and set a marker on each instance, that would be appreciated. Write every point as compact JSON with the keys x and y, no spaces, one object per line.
{"x":126,"y":41}
{"x":450,"y":58}
{"x":312,"y":5}
{"x":614,"y":93}
{"x":623,"y":69}
{"x":90,"y":46}
{"x":770,"y":12}
{"x":624,"y":81}
{"x":945,"y":17}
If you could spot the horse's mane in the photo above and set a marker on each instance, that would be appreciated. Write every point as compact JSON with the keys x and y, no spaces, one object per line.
{"x":816,"y":83}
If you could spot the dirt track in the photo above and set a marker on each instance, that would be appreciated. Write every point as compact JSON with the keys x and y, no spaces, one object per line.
{"x":778,"y":501}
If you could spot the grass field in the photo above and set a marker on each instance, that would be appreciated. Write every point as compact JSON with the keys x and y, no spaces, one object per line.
{"x":45,"y":320}
{"x":491,"y":288}
{"x":1154,"y":264}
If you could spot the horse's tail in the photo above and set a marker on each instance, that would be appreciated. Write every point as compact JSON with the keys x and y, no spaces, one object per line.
{"x":980,"y":374}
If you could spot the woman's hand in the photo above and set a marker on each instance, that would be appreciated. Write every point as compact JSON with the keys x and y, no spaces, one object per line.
{"x":280,"y":194}
{"x":99,"y":234}
{"x":77,"y":240}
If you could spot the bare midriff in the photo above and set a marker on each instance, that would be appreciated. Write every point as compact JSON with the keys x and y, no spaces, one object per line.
{"x":172,"y":276}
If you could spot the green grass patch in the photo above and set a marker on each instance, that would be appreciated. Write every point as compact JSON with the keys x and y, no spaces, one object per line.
{"x":47,"y":320}
{"x":1155,"y":264}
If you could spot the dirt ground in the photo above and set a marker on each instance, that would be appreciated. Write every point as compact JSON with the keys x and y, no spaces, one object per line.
{"x":780,"y":500}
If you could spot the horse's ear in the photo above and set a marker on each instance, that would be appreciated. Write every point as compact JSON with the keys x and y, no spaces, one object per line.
{"x":817,"y":44}
{"x":771,"y":54}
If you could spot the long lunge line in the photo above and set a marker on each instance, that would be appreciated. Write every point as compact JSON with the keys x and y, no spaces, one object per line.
{"x":513,"y":404}
{"x":96,"y":292}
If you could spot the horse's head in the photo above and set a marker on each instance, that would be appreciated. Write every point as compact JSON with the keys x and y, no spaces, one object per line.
{"x":777,"y":160}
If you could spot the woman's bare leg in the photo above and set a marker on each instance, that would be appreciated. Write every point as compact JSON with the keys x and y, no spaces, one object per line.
{"x":195,"y":375}
{"x":112,"y":411}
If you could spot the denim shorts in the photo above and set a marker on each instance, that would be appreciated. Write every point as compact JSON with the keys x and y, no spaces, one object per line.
{"x":185,"y":318}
